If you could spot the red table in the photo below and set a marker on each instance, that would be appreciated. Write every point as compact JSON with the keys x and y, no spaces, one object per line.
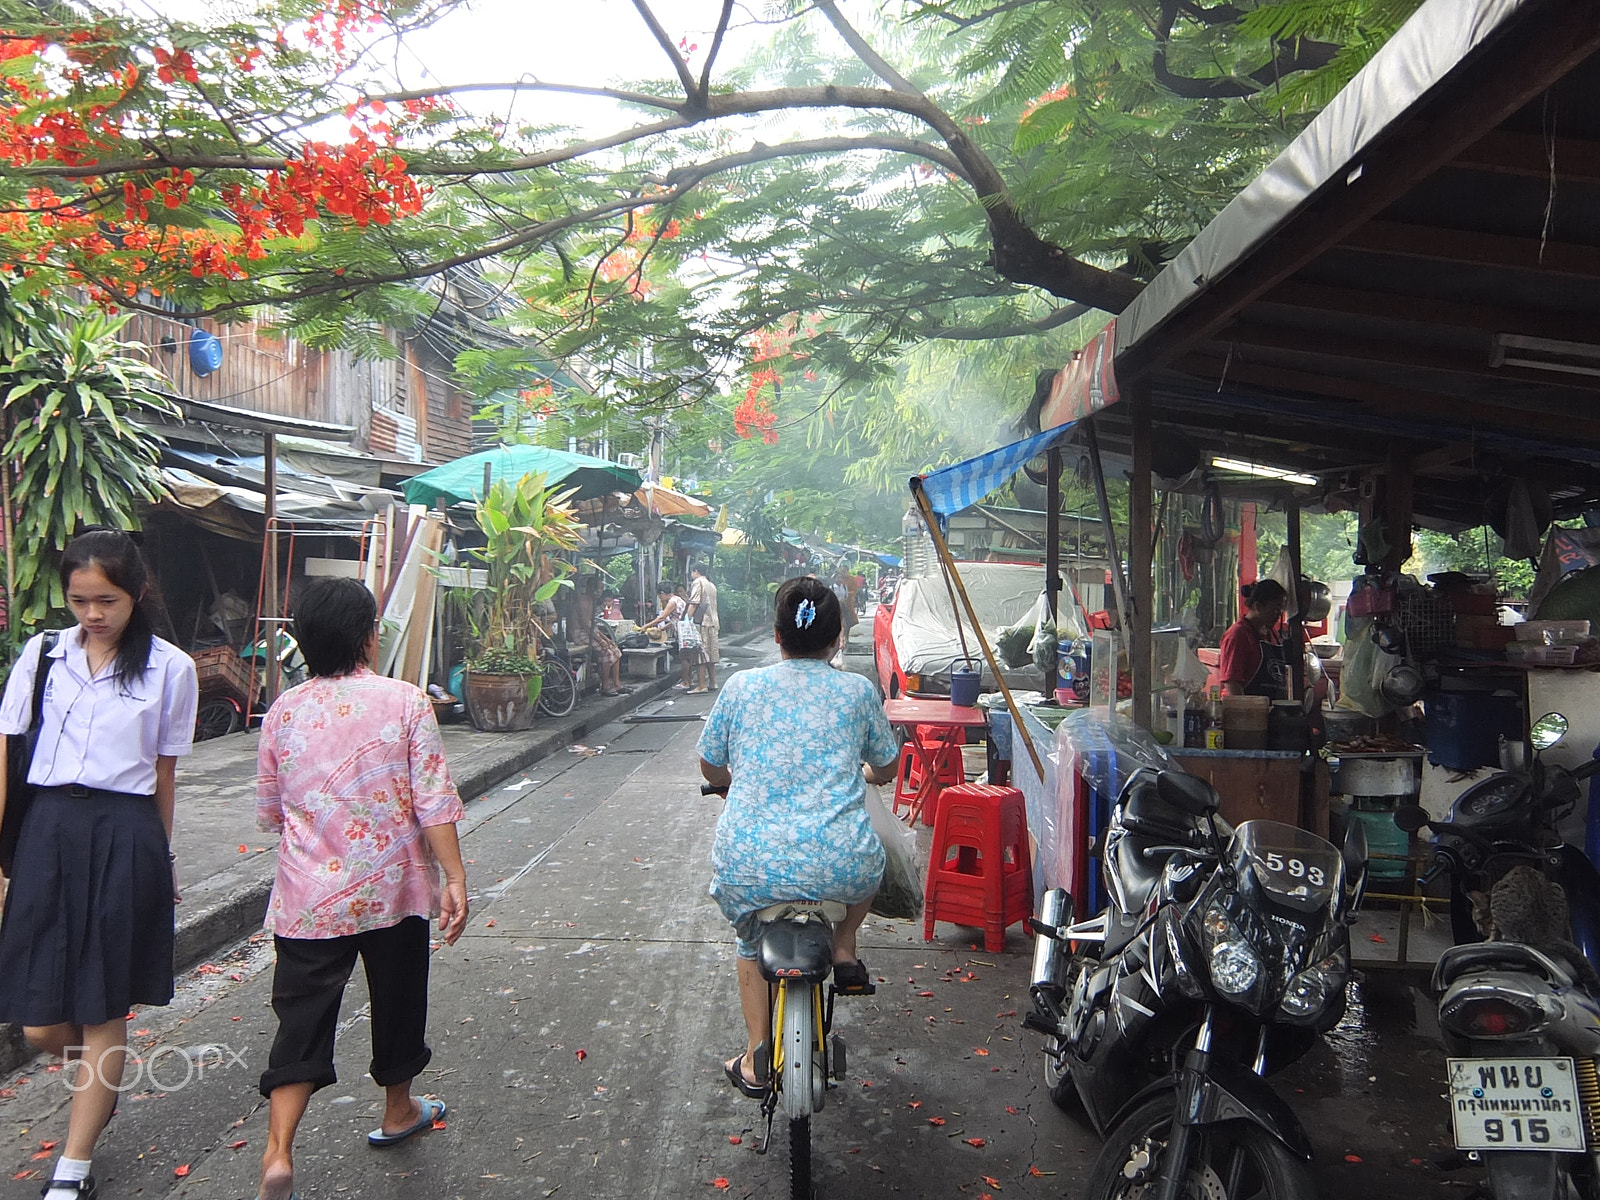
{"x":938,"y":715}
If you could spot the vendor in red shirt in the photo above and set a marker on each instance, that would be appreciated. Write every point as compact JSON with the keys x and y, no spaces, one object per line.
{"x":1255,"y":661}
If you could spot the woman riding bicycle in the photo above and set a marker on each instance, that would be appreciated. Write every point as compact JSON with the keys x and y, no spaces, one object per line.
{"x":789,"y":742}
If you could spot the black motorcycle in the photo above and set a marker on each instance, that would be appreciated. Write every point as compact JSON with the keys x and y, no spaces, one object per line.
{"x":1220,"y":959}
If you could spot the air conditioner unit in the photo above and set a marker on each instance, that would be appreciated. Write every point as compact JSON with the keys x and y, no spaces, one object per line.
{"x":1545,"y":354}
{"x":624,"y":459}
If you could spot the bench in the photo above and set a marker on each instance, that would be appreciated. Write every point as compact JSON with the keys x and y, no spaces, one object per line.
{"x":646,"y":664}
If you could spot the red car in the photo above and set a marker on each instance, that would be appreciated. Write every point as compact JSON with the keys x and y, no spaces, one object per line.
{"x":914,"y":638}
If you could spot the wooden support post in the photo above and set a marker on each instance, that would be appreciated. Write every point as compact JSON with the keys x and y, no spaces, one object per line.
{"x":1119,"y":583}
{"x":1296,"y":640}
{"x":1052,"y":553}
{"x":1397,"y":506}
{"x":952,"y":575}
{"x":270,"y":490}
{"x":1141,"y":554}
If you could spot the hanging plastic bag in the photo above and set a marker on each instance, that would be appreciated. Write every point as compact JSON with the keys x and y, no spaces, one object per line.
{"x":688,"y":634}
{"x":1189,"y":673}
{"x":1015,"y":643}
{"x":899,"y":896}
{"x":1365,"y":666}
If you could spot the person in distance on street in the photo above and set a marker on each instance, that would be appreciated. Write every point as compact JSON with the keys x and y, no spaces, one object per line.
{"x":795,"y":744}
{"x":351,"y":774}
{"x":609,"y":657}
{"x":703,"y":612}
{"x":88,"y":928}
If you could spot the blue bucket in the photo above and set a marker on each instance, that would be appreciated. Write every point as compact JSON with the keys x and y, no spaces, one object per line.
{"x":964,"y":680}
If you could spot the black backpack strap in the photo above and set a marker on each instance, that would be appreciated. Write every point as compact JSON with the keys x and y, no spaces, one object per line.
{"x":41,"y":674}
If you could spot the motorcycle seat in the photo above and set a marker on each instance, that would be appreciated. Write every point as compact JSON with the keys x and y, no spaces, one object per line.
{"x":1503,"y":956}
{"x":1138,"y":872}
{"x":1144,"y":812}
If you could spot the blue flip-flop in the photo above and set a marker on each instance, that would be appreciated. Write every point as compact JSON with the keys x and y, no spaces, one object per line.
{"x":432,"y":1110}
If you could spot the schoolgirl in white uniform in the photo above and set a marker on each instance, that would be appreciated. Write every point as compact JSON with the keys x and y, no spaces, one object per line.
{"x":88,"y":926}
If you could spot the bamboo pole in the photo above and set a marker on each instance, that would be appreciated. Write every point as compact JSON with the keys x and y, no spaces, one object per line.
{"x":953,"y":575}
{"x":1119,"y":582}
{"x":10,"y":533}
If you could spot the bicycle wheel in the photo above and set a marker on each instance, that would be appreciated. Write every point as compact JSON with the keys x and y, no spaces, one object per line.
{"x":800,"y":1159}
{"x":799,"y":1035}
{"x":559,"y":692}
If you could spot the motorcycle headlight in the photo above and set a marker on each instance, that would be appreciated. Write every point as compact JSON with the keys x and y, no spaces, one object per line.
{"x":1309,"y":991}
{"x":1235,"y":966}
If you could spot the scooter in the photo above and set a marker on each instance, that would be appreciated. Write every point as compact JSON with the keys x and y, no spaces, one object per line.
{"x":1519,"y":1012}
{"x":1221,"y":957}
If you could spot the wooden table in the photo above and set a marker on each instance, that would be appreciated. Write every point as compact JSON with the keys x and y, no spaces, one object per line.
{"x":938,"y":714}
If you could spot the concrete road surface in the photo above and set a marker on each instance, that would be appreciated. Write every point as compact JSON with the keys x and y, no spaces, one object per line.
{"x":579,"y":1026}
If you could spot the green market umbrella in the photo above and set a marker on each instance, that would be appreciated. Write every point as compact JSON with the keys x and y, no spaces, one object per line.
{"x":461,"y":481}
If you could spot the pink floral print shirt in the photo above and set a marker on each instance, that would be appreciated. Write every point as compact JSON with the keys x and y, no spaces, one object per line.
{"x":350,"y":770}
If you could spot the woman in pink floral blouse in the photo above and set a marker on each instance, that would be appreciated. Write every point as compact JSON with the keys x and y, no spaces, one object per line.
{"x":351,"y":774}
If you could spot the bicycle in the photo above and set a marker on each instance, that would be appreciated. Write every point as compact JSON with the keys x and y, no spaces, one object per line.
{"x":795,"y":952}
{"x":559,"y":691}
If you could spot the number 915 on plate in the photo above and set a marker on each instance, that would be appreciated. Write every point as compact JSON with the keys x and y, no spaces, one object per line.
{"x":1515,"y":1104}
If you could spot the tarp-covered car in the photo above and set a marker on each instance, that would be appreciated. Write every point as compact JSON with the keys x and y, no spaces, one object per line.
{"x":914,"y":636}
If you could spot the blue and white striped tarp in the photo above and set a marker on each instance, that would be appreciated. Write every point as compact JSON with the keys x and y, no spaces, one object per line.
{"x":960,"y":485}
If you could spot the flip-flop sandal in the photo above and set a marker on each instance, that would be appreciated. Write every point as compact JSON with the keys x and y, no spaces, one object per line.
{"x":734,"y":1070}
{"x":432,"y":1110}
{"x":292,"y":1196}
{"x":852,"y":979}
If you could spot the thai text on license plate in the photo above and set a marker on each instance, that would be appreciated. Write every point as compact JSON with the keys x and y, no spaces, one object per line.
{"x":1515,"y":1104}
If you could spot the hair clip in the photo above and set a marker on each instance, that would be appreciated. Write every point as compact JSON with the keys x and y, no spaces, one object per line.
{"x":805,"y":614}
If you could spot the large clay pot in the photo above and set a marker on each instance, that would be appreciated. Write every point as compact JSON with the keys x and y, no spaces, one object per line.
{"x":502,"y":703}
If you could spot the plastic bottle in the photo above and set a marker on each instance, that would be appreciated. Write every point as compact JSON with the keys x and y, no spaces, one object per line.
{"x":1214,"y":739}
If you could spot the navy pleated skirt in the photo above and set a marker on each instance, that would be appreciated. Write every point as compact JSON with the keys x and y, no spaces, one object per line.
{"x":88,"y":925}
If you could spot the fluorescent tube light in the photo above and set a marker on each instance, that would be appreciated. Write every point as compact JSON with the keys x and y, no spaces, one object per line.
{"x":1260,"y":472}
{"x":1545,"y":354}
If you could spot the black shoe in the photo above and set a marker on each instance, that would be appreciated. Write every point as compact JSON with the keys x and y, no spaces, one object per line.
{"x":86,"y":1187}
{"x":851,"y":979}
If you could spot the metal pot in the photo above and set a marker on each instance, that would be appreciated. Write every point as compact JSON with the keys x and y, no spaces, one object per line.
{"x":1402,"y":685}
{"x":1315,"y":601}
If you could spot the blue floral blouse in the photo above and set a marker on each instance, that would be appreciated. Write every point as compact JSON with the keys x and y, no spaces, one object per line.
{"x":795,"y":827}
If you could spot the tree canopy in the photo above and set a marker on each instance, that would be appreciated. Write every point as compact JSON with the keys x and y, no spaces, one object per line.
{"x":963,"y":170}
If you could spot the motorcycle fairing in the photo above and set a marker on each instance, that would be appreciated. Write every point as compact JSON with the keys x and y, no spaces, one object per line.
{"x":1228,"y":1094}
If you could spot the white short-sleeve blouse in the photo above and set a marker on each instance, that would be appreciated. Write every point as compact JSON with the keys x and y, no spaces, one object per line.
{"x":96,"y":732}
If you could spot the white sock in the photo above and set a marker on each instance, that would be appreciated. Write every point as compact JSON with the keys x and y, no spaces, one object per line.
{"x":68,"y":1170}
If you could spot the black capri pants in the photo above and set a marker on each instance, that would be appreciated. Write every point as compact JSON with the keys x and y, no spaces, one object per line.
{"x":308,"y":984}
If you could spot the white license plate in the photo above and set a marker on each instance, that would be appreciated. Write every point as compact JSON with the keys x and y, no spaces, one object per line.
{"x":1515,"y":1104}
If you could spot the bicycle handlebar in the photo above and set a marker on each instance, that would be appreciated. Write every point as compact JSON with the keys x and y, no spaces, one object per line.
{"x":712,"y":789}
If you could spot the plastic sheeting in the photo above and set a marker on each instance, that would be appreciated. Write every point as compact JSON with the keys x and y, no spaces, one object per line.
{"x":1105,"y":749}
{"x":924,"y":624}
{"x":1425,"y":50}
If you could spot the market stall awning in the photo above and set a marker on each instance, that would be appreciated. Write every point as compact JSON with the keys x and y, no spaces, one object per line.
{"x":960,"y":485}
{"x":665,"y":502}
{"x":461,"y":481}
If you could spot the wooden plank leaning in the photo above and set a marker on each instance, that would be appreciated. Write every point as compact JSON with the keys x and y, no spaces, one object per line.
{"x":952,"y":575}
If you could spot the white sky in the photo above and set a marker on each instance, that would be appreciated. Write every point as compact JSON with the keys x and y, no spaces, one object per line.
{"x":589,"y":42}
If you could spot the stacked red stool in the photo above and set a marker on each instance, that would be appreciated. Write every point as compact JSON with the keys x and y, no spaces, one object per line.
{"x":935,"y":748}
{"x":980,"y":872}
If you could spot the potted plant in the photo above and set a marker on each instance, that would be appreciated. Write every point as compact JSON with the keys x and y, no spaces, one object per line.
{"x":525,"y":526}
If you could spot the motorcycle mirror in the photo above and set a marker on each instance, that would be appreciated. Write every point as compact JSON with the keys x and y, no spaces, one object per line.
{"x":1354,"y":851}
{"x":1411,"y":817}
{"x":1548,"y":730}
{"x":1188,"y":793}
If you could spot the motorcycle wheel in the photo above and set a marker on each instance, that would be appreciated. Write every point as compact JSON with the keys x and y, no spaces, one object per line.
{"x":1058,"y":1079}
{"x":1130,"y":1160}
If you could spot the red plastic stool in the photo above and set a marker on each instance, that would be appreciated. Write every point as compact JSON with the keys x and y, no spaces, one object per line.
{"x":980,"y":872}
{"x":938,"y":745}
